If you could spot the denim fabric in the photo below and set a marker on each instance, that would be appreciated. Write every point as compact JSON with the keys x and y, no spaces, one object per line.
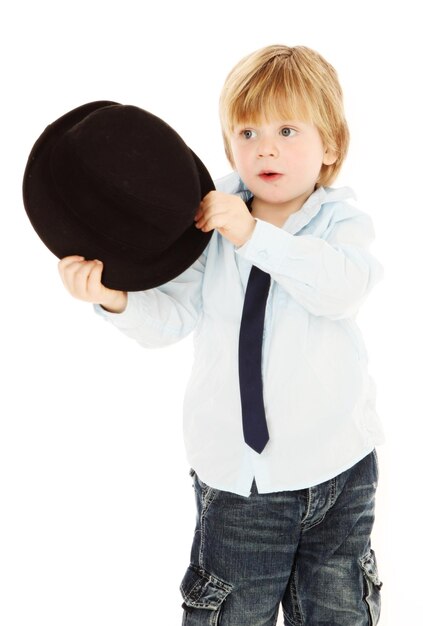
{"x":308,"y":549}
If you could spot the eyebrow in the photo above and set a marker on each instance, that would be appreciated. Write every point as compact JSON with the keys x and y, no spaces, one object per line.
{"x":240,"y":125}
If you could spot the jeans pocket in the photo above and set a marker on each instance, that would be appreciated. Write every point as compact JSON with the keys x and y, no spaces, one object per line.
{"x":201,"y":590}
{"x":206,"y":494}
{"x":372,"y":586}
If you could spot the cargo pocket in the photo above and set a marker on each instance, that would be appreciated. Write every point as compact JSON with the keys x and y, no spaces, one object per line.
{"x":372,"y":586}
{"x":201,"y":590}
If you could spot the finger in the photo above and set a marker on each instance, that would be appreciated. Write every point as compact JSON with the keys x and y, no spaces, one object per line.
{"x":212,"y":217}
{"x":203,"y":206}
{"x":79,"y":279}
{"x":94,"y":284}
{"x":202,"y":222}
{"x":67,"y":273}
{"x":204,"y":214}
{"x":208,"y":197}
{"x":217,"y":220}
{"x":67,"y":261}
{"x":69,"y":269}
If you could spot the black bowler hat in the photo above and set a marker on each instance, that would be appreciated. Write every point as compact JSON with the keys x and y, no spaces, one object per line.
{"x":114,"y":182}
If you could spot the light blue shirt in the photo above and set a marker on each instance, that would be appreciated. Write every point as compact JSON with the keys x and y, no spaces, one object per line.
{"x":319,"y":398}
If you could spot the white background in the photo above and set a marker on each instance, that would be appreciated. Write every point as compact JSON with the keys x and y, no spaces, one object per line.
{"x":96,"y":523}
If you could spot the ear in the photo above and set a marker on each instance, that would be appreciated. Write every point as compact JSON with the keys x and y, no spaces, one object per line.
{"x":329,"y":156}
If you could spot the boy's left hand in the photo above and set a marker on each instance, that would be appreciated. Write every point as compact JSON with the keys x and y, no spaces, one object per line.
{"x":228,"y":214}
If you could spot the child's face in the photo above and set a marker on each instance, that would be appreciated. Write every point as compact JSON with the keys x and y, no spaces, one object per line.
{"x":279,"y":161}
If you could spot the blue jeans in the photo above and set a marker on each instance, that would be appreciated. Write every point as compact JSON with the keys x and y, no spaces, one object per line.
{"x":308,"y":550}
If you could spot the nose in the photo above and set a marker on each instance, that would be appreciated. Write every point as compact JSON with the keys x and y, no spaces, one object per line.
{"x":267,"y":147}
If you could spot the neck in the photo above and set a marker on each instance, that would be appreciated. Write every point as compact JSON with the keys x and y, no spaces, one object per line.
{"x":275,"y":214}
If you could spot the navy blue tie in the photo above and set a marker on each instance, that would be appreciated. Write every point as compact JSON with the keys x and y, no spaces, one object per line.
{"x":254,"y":423}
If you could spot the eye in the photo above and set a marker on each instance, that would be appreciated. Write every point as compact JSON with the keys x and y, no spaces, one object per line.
{"x":247,"y":133}
{"x":288,"y":132}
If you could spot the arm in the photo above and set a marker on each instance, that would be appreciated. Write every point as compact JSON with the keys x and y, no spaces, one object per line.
{"x":154,"y":318}
{"x":328,"y":276}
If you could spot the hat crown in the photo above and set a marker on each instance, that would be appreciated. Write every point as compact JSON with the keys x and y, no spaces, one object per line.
{"x":114,"y":182}
{"x":123,"y":172}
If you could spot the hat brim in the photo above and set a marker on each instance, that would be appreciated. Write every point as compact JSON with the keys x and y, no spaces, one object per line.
{"x":64,"y":234}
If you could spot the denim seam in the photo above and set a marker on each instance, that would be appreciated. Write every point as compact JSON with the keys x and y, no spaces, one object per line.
{"x":208,"y":495}
{"x":371,"y":585}
{"x":332,"y":499}
{"x":298,"y":617}
{"x":287,"y":618}
{"x":215,"y":620}
{"x":367,"y":590}
{"x":304,"y":524}
{"x":332,"y":495}
{"x":308,"y":507}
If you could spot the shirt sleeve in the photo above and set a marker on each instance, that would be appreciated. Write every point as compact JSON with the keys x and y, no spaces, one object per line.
{"x":164,"y":315}
{"x":328,"y":276}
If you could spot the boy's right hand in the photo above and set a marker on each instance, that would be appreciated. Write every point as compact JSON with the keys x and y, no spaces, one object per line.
{"x":83,"y":281}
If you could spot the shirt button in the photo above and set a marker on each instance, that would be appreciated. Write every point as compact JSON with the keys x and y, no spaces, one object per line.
{"x":263,"y":254}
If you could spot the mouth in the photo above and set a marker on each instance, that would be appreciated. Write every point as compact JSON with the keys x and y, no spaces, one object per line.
{"x":269,"y":175}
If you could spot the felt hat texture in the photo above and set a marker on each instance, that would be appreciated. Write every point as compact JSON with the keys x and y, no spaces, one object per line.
{"x":116,"y":183}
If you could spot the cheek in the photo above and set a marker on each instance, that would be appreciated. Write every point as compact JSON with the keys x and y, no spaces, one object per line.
{"x":310,"y":158}
{"x":241,"y":159}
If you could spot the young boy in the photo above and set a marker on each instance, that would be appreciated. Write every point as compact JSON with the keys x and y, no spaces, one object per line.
{"x":285,"y":496}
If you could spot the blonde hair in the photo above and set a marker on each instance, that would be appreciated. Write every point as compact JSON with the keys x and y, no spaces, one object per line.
{"x":287,"y":83}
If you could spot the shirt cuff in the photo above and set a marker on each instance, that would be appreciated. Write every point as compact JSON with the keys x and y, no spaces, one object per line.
{"x":268,"y":247}
{"x":130,"y":317}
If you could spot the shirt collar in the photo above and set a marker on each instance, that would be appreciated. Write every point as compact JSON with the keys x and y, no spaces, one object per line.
{"x":298,"y":220}
{"x":313,"y":204}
